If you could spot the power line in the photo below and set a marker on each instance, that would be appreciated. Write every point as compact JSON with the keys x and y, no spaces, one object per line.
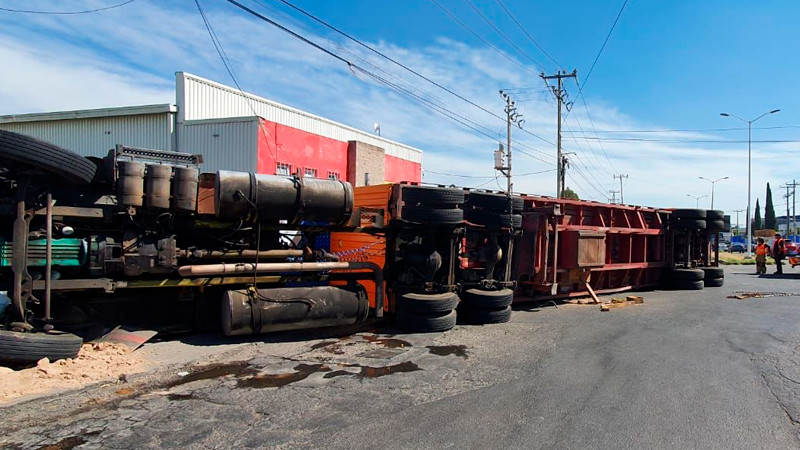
{"x":500,"y":32}
{"x":589,"y":145}
{"x":479,"y":37}
{"x":377,"y":52}
{"x":588,"y":74}
{"x":228,"y":67}
{"x":354,"y":67}
{"x":455,"y":174}
{"x":591,"y":121}
{"x":66,"y":13}
{"x":698,"y":129}
{"x":530,"y":38}
{"x":688,"y":141}
{"x":409,"y":69}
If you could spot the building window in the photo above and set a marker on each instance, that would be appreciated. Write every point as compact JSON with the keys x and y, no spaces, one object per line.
{"x":333,"y":175}
{"x":283,"y":169}
{"x":310,"y":173}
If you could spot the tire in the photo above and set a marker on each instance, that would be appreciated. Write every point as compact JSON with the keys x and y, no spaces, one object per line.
{"x":46,"y":157}
{"x":688,"y":274}
{"x":493,"y":219}
{"x":425,"y":323}
{"x":715,"y":214}
{"x":716,"y":225}
{"x":494,"y":202}
{"x":480,"y":316}
{"x":429,"y":195}
{"x":713,"y":272}
{"x":27,"y":348}
{"x":714,"y":282}
{"x":688,"y":224}
{"x":687,"y":285}
{"x":428,"y":303}
{"x":689,"y":214}
{"x":477,"y":298}
{"x":432,"y":216}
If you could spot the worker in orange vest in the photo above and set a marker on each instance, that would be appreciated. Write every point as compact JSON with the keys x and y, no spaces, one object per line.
{"x":778,"y":252}
{"x":762,"y":249}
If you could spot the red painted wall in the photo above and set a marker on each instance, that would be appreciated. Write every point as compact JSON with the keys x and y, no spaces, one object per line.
{"x":398,"y":169}
{"x":301,"y":149}
{"x":279,"y":143}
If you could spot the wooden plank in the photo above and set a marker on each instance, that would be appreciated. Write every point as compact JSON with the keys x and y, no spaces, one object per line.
{"x":591,"y":292}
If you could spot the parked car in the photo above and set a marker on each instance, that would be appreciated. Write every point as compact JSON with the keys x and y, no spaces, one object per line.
{"x":723,"y":246}
{"x":738,"y":248}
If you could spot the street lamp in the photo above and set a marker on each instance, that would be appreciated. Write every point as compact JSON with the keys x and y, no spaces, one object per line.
{"x":749,"y":146}
{"x":712,"y":187}
{"x":697,"y":199}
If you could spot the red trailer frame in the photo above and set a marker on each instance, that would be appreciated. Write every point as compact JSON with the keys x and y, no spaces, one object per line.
{"x":572,"y":248}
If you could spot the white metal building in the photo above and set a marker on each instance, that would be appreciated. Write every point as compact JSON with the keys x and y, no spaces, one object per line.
{"x":233,"y":130}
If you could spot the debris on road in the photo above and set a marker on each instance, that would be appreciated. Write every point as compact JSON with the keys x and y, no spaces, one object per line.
{"x":744,"y":295}
{"x":95,"y":362}
{"x":131,"y":339}
{"x":621,"y":302}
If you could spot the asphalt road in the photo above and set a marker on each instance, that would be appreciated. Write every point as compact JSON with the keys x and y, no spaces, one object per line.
{"x":683,"y":370}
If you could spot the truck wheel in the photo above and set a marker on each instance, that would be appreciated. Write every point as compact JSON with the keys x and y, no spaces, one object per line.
{"x":713,"y":272}
{"x":432,"y":196}
{"x":432,"y":216}
{"x":688,"y":274}
{"x":714,"y":282}
{"x":478,"y":298}
{"x":493,"y":219}
{"x":480,"y":316}
{"x":27,"y":348}
{"x":20,"y":151}
{"x":715,"y":214}
{"x":716,"y":225}
{"x":688,"y":224}
{"x":689,"y":214}
{"x":426,"y":323}
{"x":687,"y":285}
{"x":493,"y":202}
{"x":428,"y":303}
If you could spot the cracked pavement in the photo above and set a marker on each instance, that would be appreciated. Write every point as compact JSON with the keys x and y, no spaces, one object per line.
{"x":687,"y":369}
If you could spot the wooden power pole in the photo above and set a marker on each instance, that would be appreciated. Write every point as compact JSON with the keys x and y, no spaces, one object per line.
{"x":558,"y":90}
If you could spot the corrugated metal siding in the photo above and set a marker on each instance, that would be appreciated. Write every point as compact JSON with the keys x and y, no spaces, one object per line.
{"x":224,"y":144}
{"x":95,"y":137}
{"x":198,"y":99}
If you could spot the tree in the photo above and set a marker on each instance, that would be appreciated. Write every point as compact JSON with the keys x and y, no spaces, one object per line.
{"x":757,"y":217}
{"x":769,"y":211}
{"x":569,"y":194}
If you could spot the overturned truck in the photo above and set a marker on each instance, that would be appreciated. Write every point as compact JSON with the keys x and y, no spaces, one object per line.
{"x":171,"y":245}
{"x":143,"y":238}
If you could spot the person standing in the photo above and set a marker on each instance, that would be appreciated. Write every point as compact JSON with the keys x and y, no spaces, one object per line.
{"x":778,"y":252}
{"x":761,"y":256}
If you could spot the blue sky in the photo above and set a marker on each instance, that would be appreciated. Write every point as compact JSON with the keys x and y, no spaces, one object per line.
{"x":668,"y":65}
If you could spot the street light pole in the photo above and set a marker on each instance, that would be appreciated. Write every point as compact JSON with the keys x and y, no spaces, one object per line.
{"x":697,"y":199}
{"x":713,"y":182}
{"x":749,"y":123}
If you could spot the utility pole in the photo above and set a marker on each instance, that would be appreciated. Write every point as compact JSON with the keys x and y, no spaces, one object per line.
{"x":793,"y":185}
{"x":787,"y":197}
{"x":560,"y":95}
{"x":613,"y":196}
{"x":511,"y":117}
{"x":737,"y":211}
{"x":621,"y":176}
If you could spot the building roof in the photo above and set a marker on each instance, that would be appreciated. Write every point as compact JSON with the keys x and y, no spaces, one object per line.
{"x":91,"y":113}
